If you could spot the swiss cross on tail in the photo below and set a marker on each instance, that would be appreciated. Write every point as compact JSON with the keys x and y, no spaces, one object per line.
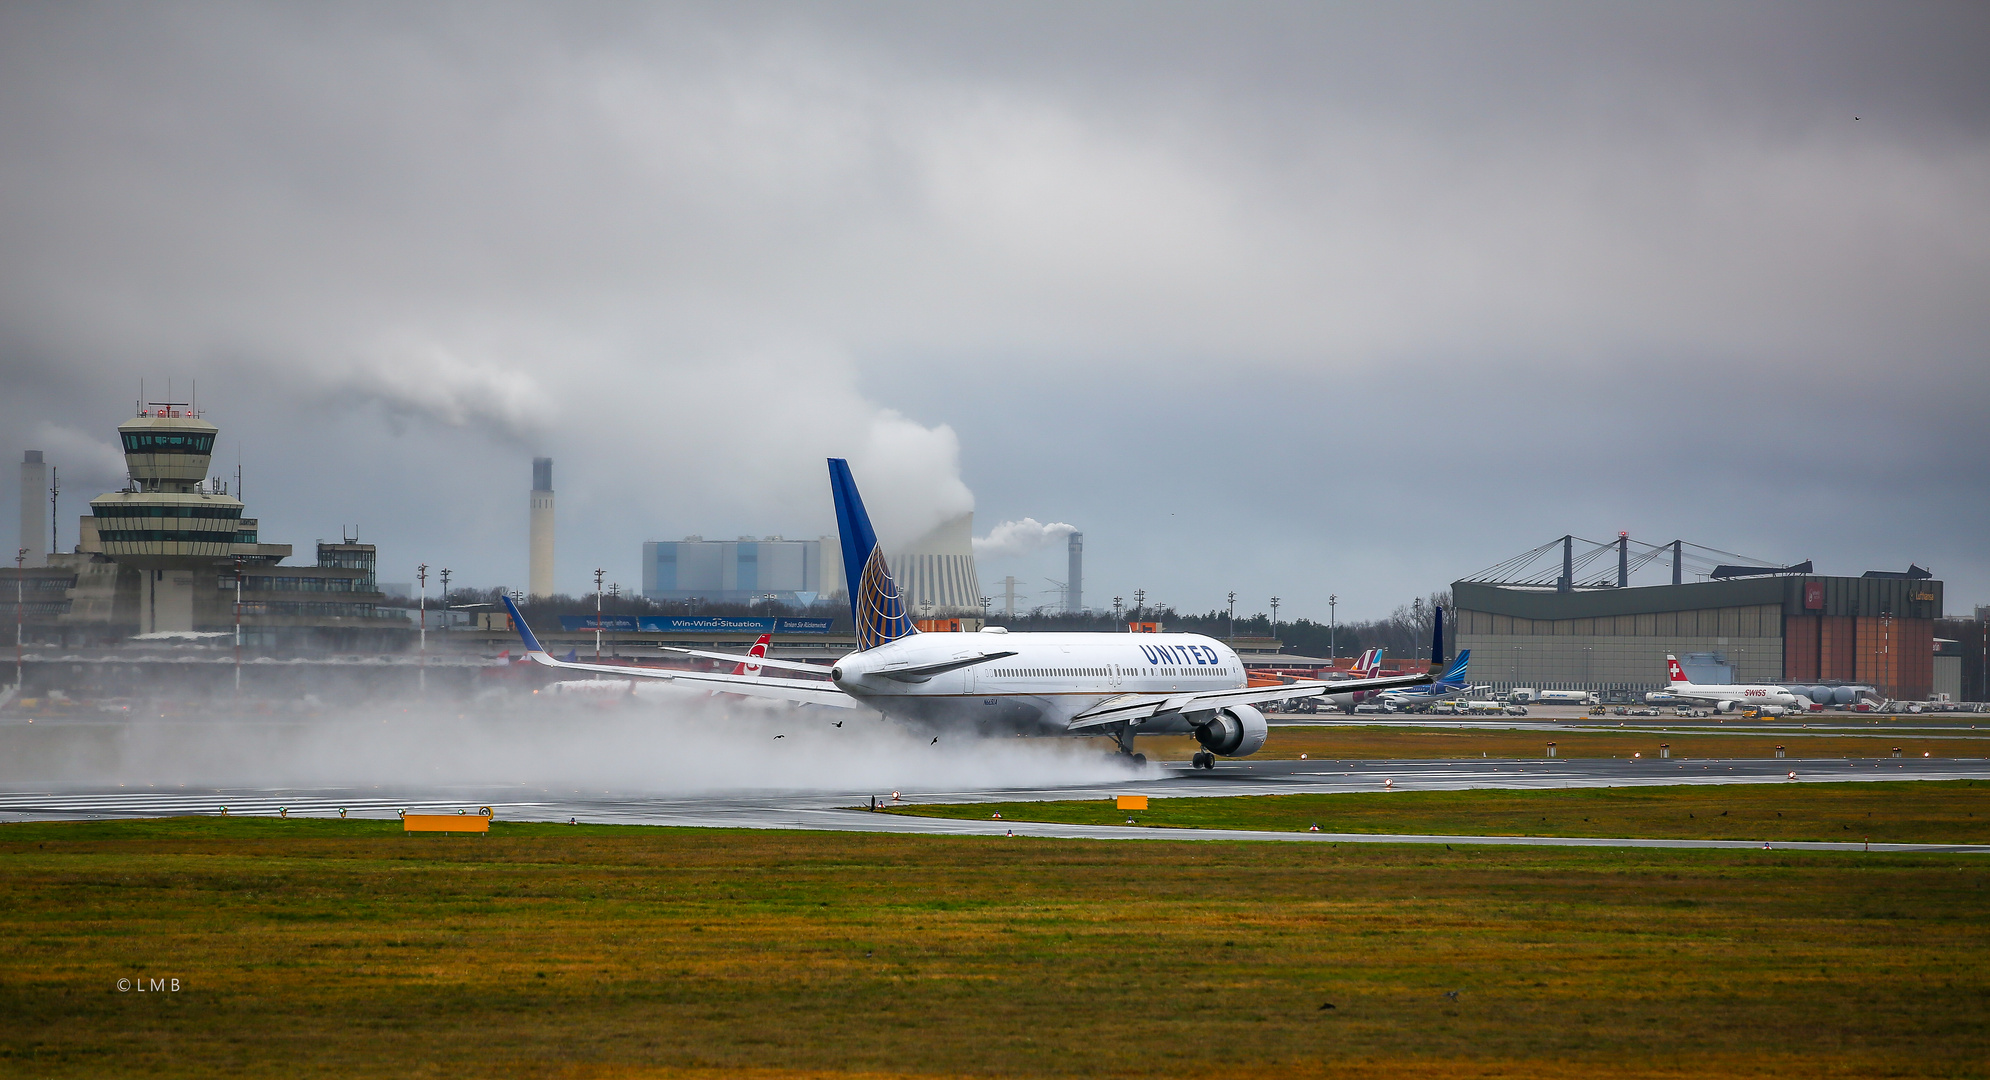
{"x":758,"y":651}
{"x":1673,"y":671}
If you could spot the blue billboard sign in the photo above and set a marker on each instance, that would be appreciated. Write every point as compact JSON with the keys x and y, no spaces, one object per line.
{"x":697,"y":624}
{"x":576,"y":623}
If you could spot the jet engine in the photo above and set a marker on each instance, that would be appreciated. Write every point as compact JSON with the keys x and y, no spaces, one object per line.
{"x":1238,"y":731}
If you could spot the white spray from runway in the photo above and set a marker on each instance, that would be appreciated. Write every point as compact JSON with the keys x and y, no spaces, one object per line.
{"x":692,"y":745}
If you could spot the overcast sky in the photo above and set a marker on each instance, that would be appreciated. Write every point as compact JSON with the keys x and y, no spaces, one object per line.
{"x":1289,"y":300}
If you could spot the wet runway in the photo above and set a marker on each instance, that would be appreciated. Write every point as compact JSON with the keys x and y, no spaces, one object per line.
{"x":844,"y":810}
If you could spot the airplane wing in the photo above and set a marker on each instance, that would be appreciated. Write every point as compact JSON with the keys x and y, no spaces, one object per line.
{"x":763,"y":661}
{"x":925,"y":672}
{"x":807,"y":692}
{"x":1131,"y":707}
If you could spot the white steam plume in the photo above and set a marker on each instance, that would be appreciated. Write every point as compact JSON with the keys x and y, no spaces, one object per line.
{"x":1013,"y":538}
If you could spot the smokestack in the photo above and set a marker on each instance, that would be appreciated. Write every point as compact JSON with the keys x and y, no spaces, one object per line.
{"x":541,"y":577}
{"x":34,"y":508}
{"x":1074,"y":596}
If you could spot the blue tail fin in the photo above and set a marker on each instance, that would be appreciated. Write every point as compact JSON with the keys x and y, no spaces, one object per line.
{"x":875,"y":606}
{"x":1437,"y":639}
{"x":1456,"y":672}
{"x":518,"y":621}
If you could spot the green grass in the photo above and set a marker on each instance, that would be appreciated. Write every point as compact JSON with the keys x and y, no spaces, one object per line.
{"x":1639,"y":736}
{"x":326,"y":948}
{"x":1908,"y":811}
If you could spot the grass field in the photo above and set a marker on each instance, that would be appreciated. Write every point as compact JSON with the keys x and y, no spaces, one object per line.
{"x":320,"y":948}
{"x":1912,"y":811}
{"x":1367,"y":742}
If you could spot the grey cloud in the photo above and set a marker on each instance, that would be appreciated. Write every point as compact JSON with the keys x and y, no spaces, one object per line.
{"x":689,"y":250}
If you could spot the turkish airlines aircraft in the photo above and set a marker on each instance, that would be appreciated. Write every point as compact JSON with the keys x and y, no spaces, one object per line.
{"x":1729,"y":698}
{"x":993,"y":681}
{"x":611,"y":691}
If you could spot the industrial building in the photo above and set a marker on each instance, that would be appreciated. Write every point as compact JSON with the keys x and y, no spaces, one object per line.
{"x":1765,"y":624}
{"x":741,"y":571}
{"x":935,"y":573}
{"x":539,"y":575}
{"x":172,"y":554}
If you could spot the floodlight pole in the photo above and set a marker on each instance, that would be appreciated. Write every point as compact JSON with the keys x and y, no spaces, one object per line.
{"x":598,"y":575}
{"x":238,"y":626}
{"x":1233,"y":615}
{"x":421,"y":575}
{"x":444,"y":575}
{"x":1274,"y":619}
{"x":1333,"y":626}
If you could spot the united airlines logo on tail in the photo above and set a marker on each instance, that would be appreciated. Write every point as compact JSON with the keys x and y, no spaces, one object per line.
{"x":879,"y":610}
{"x":875,"y":606}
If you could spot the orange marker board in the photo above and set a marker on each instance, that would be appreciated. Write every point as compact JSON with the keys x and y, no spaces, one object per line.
{"x":1133,"y":802}
{"x":446,"y":823}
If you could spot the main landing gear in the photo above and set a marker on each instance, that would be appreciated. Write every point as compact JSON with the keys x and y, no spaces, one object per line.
{"x":1203,"y":759}
{"x":1126,"y":747}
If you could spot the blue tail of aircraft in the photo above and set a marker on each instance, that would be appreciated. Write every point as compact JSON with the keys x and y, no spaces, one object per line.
{"x":1455,"y":674}
{"x":524,"y":631}
{"x":875,"y":606}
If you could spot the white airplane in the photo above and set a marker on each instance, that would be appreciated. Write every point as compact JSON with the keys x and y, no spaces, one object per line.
{"x":992,"y":681}
{"x":1451,"y":685}
{"x":611,"y":691}
{"x":1364,"y":667}
{"x":1771,"y":700}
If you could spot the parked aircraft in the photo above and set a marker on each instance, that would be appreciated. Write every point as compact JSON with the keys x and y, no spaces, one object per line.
{"x":1451,"y":685}
{"x":993,"y":681}
{"x":1771,"y":700}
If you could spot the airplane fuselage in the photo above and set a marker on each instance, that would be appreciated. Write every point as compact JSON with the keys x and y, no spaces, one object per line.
{"x":1736,"y":695}
{"x":1052,"y":678}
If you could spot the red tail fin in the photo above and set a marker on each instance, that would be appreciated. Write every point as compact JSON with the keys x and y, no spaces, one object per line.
{"x":1674,"y":672}
{"x":759,"y":649}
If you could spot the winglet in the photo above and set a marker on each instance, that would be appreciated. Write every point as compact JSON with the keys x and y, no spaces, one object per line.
{"x":524,"y":631}
{"x":875,"y":605}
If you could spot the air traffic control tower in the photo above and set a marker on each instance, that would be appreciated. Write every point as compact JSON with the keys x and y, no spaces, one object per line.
{"x":169,"y":524}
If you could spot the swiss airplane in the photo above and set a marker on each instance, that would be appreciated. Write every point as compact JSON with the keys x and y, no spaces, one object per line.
{"x":996,"y":682}
{"x":1772,"y":699}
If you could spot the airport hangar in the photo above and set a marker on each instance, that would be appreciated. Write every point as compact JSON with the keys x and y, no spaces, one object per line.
{"x":1766,"y":624}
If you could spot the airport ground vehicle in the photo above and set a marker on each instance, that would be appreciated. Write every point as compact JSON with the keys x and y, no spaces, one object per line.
{"x":1522,"y":694}
{"x":1688,"y":711}
{"x":1516,"y":710}
{"x":1368,"y":707}
{"x":1567,"y":697}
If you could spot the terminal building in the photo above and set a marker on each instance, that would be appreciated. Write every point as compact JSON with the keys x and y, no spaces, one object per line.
{"x":172,"y":554}
{"x":1747,"y":623}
